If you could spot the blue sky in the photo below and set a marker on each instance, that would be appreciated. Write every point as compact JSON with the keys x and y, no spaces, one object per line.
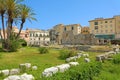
{"x":52,"y":12}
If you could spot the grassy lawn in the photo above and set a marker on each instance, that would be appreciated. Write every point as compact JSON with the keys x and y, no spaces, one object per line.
{"x":10,"y":60}
{"x":30,"y":55}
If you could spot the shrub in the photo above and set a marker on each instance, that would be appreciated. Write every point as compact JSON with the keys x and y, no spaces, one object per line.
{"x":13,"y":45}
{"x":43,"y":50}
{"x":65,"y":53}
{"x":22,"y":42}
{"x":116,"y":59}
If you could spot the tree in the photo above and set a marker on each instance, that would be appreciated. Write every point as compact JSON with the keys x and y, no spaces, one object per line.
{"x":12,"y":12}
{"x":25,"y":13}
{"x":2,"y":12}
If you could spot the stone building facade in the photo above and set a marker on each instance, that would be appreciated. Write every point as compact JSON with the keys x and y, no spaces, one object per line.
{"x":85,"y":30}
{"x":106,"y":28}
{"x":80,"y":39}
{"x":38,"y":37}
{"x":60,"y":29}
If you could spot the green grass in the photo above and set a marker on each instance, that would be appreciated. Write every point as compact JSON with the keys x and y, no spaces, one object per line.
{"x":9,"y":60}
{"x":30,"y":55}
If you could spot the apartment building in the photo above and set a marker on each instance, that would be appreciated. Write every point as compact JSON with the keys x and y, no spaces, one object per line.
{"x":23,"y":35}
{"x":106,"y":28}
{"x":38,"y":37}
{"x":61,"y":28}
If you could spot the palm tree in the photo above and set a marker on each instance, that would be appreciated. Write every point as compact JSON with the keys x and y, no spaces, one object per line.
{"x":2,"y":12}
{"x":25,"y":13}
{"x":11,"y":7}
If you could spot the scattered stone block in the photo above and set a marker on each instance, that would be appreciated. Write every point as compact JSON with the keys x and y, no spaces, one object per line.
{"x":5,"y":72}
{"x":87,"y":60}
{"x":13,"y":77}
{"x":85,"y":55}
{"x":74,"y":63}
{"x":14,"y":71}
{"x":26,"y":76}
{"x":46,"y":74}
{"x":28,"y":65}
{"x":63,"y":67}
{"x":34,"y":67}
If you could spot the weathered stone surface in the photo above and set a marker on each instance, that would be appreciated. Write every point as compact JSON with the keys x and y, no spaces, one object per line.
{"x":49,"y":71}
{"x":5,"y":72}
{"x":73,"y":63}
{"x":87,"y":60}
{"x":14,"y":71}
{"x":46,"y":74}
{"x":34,"y":67}
{"x":63,"y":67}
{"x":13,"y":77}
{"x":85,"y":55}
{"x":28,"y":65}
{"x":26,"y":76}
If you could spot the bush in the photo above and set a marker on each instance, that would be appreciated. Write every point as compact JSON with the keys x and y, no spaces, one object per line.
{"x":65,"y":53}
{"x":116,"y":59}
{"x":22,"y":42}
{"x":13,"y":45}
{"x":43,"y":50}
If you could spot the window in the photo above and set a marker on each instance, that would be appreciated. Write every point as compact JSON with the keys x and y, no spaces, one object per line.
{"x":30,"y":35}
{"x":106,"y":31}
{"x":40,"y":35}
{"x":105,"y":21}
{"x":96,"y":23}
{"x":72,"y":28}
{"x":33,"y":34}
{"x":65,"y":29}
{"x":96,"y":27}
{"x":36,"y":35}
{"x":39,"y":38}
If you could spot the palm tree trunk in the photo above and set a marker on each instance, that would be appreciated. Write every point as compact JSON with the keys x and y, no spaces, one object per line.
{"x":2,"y":18}
{"x":1,"y":34}
{"x":20,"y":30}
